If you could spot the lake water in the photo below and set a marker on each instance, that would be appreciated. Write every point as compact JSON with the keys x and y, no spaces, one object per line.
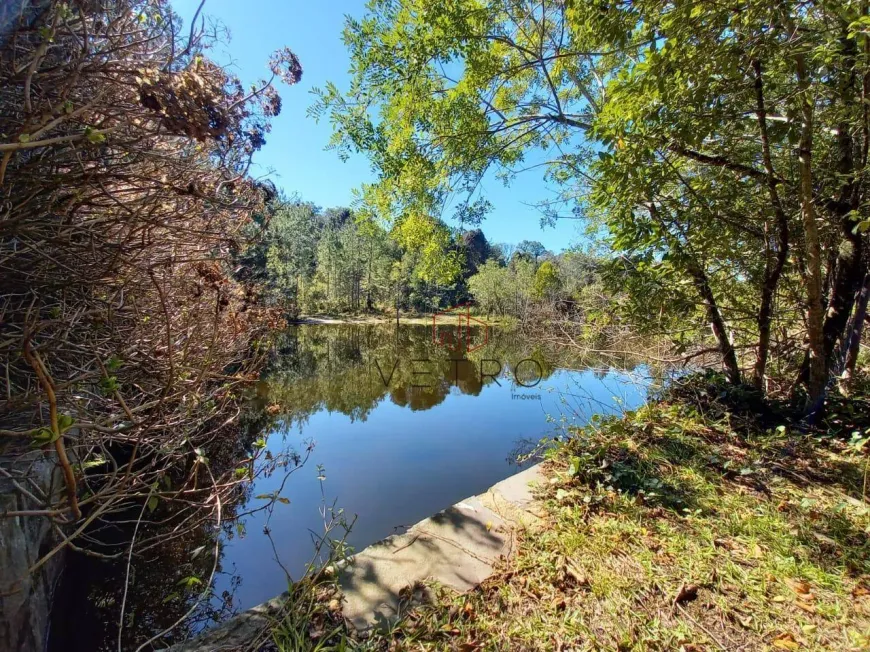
{"x":402,"y":427}
{"x":396,"y":425}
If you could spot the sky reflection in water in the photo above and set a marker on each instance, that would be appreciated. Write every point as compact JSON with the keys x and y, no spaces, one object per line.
{"x":393,"y":453}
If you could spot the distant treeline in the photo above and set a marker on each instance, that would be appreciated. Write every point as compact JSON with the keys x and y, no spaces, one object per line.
{"x":314,"y":260}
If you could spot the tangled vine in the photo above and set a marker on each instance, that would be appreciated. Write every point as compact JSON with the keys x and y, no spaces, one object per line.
{"x":126,"y":337}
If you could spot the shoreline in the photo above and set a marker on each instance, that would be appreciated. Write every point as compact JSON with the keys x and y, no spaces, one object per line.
{"x":458,"y":546}
{"x":426,"y":320}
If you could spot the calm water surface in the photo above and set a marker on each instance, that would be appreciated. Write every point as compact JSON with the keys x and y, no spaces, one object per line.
{"x":395,"y":427}
{"x":401,"y":428}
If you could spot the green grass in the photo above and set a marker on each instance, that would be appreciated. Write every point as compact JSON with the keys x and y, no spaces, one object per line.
{"x":677,"y":528}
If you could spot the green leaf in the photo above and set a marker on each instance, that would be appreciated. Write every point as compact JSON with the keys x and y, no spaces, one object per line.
{"x":43,"y":437}
{"x":64,"y":422}
{"x":98,"y":460}
{"x":94,"y":137}
{"x":575,"y":467}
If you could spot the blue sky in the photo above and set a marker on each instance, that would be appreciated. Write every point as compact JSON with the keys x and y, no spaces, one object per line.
{"x":294,"y":156}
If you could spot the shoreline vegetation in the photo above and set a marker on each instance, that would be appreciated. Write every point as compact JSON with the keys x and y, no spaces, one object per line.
{"x":411,"y":319}
{"x":701,"y":521}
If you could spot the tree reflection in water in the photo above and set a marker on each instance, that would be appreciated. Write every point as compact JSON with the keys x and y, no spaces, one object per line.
{"x":349,"y":370}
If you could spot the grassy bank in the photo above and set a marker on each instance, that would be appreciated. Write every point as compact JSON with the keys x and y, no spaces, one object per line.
{"x":698,"y":522}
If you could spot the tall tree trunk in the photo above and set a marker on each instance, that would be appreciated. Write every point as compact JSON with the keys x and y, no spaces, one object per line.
{"x":846,"y":282}
{"x":702,"y":284}
{"x":369,"y":279}
{"x":818,"y":373}
{"x":854,"y":333}
{"x":847,"y":274}
{"x":779,"y":244}
{"x":717,"y":324}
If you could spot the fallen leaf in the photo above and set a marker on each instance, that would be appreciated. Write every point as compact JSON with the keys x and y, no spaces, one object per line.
{"x":577,"y":574}
{"x":315,"y":632}
{"x":785,"y":641}
{"x":860,"y":591}
{"x":799,"y":586}
{"x":821,"y":538}
{"x":686,"y":593}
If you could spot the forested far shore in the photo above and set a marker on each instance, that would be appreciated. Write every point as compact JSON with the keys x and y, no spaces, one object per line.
{"x":334,"y":262}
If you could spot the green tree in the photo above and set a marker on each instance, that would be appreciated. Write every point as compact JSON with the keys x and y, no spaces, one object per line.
{"x":721,"y":151}
{"x":492,"y":288}
{"x":532,"y":248}
{"x":291,"y":242}
{"x":547,"y":282}
{"x":430,"y":241}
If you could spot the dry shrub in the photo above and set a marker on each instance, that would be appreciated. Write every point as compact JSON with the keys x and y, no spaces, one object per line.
{"x":124,"y":198}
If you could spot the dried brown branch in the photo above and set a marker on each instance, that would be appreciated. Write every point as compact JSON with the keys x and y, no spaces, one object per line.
{"x":124,"y":201}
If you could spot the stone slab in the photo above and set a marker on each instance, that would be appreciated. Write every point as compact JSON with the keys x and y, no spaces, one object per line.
{"x":518,"y":489}
{"x":456,"y":547}
{"x":239,"y":632}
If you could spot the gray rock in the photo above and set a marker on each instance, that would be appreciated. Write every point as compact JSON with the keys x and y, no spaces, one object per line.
{"x":238,"y":633}
{"x":25,"y":601}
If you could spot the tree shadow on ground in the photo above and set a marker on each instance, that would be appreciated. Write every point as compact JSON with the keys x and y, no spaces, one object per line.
{"x":455,"y":547}
{"x":681,"y":467}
